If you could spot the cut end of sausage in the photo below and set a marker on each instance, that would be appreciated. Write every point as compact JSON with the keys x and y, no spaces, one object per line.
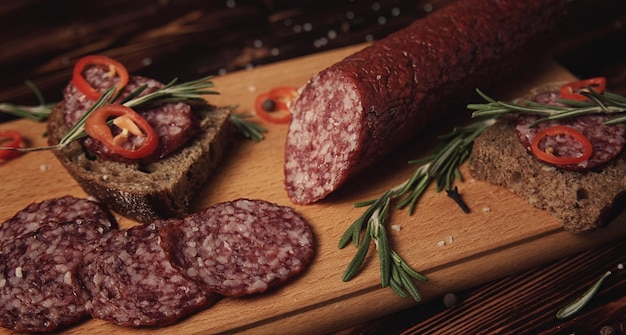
{"x":322,"y":143}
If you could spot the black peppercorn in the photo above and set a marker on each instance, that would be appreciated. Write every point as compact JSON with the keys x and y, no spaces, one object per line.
{"x":450,"y":300}
{"x":607,"y":330}
{"x":269,"y":105}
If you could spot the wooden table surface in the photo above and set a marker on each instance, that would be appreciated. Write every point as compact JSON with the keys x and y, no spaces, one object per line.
{"x":188,"y":39}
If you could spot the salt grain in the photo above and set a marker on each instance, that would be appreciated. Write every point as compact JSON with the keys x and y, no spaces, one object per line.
{"x":446,"y":240}
{"x":395,"y":227}
{"x":18,"y":272}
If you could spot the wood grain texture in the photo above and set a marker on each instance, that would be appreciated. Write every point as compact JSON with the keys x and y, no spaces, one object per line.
{"x":485,"y":245}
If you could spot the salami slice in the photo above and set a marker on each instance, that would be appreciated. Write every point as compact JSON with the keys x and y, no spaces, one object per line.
{"x":63,"y":209}
{"x":607,"y":141}
{"x":240,"y":247}
{"x":173,"y":122}
{"x":358,"y":110}
{"x":132,"y":283}
{"x":39,"y":290}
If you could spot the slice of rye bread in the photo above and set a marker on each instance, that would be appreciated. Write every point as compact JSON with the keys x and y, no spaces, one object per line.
{"x":144,"y":192}
{"x":582,"y":201}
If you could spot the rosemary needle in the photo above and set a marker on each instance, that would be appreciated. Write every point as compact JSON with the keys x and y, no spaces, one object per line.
{"x":247,"y":128}
{"x":580,"y":302}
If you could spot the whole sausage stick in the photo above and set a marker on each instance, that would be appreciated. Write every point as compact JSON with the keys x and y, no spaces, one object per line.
{"x":353,"y":113}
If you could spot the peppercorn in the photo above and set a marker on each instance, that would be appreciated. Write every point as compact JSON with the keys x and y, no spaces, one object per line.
{"x":450,"y":300}
{"x":269,"y":105}
{"x":607,"y":330}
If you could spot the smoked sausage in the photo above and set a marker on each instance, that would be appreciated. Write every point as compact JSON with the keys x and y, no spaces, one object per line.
{"x":353,"y":113}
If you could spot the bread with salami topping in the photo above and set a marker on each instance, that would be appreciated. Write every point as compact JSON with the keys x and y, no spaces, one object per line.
{"x":146,"y":191}
{"x":582,"y":200}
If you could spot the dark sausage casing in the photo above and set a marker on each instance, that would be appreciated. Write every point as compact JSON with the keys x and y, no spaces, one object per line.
{"x":353,"y":113}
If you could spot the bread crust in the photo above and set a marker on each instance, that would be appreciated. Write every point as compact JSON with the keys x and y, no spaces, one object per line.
{"x":582,"y":201}
{"x":145,"y":192}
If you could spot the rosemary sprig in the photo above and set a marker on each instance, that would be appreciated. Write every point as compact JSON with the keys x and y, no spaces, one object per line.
{"x":442,"y":167}
{"x":247,"y":128}
{"x":598,"y":103}
{"x":171,"y":92}
{"x":36,"y":113}
{"x":191,"y":90}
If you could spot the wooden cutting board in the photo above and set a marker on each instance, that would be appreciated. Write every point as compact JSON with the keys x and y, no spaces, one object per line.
{"x":501,"y":236}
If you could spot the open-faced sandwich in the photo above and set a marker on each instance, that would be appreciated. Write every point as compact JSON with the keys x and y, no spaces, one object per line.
{"x":561,"y":149}
{"x":149,"y":148}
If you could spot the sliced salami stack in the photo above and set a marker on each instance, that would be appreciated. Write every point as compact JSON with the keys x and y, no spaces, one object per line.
{"x":40,"y":254}
{"x":63,"y":260}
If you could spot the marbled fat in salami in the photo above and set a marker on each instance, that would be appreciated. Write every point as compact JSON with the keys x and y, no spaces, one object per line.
{"x":358,"y":110}
{"x":39,"y":289}
{"x":607,"y":140}
{"x":132,"y":283}
{"x":63,"y":209}
{"x":173,"y":122}
{"x":240,"y":247}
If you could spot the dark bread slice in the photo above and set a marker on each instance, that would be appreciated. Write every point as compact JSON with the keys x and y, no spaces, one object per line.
{"x":583,"y":201}
{"x":145,"y":192}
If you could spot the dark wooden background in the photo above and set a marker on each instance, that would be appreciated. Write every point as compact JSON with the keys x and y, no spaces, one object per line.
{"x":40,"y":40}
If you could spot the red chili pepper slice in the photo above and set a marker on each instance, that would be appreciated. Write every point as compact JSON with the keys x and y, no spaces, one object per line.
{"x":10,"y":139}
{"x":130,"y":122}
{"x":115,"y":68}
{"x":272,"y":106}
{"x":548,"y":157}
{"x":572,"y":90}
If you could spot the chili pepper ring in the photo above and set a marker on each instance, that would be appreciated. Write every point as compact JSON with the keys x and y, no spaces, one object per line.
{"x":559,"y":160}
{"x":96,"y":127}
